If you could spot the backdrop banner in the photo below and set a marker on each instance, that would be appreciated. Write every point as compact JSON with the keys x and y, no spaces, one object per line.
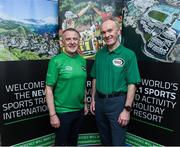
{"x":28,"y":38}
{"x":86,"y":16}
{"x":152,"y":30}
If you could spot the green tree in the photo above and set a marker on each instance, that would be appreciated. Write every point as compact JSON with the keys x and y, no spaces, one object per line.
{"x":66,"y":5}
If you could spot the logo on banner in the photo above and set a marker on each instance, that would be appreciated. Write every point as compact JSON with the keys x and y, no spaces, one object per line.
{"x":118,"y":62}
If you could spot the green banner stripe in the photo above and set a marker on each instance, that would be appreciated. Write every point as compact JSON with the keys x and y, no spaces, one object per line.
{"x":25,"y":119}
{"x":87,"y":139}
{"x":139,"y":141}
{"x":38,"y":141}
{"x":157,"y":126}
{"x":84,"y":139}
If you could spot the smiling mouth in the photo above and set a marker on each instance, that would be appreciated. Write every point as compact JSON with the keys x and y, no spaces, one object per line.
{"x":72,"y":46}
{"x":108,"y":40}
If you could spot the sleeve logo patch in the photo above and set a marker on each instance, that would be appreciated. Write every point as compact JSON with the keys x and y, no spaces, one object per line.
{"x":119,"y":62}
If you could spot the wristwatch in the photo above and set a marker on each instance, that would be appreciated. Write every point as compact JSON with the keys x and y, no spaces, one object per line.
{"x":128,"y":108}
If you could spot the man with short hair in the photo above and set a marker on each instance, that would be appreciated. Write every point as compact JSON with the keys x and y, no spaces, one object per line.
{"x":65,"y":90}
{"x":115,"y":75}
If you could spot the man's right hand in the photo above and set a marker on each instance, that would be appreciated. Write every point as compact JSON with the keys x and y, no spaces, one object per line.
{"x":54,"y":121}
{"x":92,"y":107}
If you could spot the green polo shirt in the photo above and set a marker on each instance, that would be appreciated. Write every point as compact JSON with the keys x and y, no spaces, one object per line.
{"x":67,"y":75}
{"x":115,"y":70}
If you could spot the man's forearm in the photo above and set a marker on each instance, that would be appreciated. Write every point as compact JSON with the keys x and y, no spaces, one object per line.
{"x":130,"y":94}
{"x":50,"y":100}
{"x":93,"y":88}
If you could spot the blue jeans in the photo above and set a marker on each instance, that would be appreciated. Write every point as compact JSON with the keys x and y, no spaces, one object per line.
{"x":67,"y":133}
{"x":107,"y":111}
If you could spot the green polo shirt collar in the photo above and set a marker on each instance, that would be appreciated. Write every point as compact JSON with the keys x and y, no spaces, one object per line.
{"x":118,"y":50}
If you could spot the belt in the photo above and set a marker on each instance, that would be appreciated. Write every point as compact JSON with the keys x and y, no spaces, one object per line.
{"x":112,"y":95}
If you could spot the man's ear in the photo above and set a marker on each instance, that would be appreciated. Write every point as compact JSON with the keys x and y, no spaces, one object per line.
{"x":119,"y":31}
{"x":60,"y":32}
{"x":61,"y":44}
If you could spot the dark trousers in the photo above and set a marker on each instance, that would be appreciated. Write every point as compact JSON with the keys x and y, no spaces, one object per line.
{"x":67,"y":133}
{"x":107,"y":111}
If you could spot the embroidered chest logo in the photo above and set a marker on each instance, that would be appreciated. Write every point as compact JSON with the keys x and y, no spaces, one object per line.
{"x":68,"y":68}
{"x":83,"y":68}
{"x":119,"y":62}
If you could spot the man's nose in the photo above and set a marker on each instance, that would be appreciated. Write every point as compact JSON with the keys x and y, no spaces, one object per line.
{"x":106,"y":34}
{"x":72,"y":41}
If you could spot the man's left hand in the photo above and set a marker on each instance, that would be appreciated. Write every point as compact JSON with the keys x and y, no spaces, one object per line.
{"x":124,"y":118}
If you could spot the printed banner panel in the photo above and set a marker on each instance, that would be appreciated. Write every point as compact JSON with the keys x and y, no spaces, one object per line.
{"x":24,"y":110}
{"x":28,"y":29}
{"x":151,"y":29}
{"x":28,"y":37}
{"x":156,"y":106}
{"x":86,"y":16}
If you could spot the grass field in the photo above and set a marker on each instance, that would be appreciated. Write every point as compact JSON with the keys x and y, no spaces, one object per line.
{"x":157,"y":15}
